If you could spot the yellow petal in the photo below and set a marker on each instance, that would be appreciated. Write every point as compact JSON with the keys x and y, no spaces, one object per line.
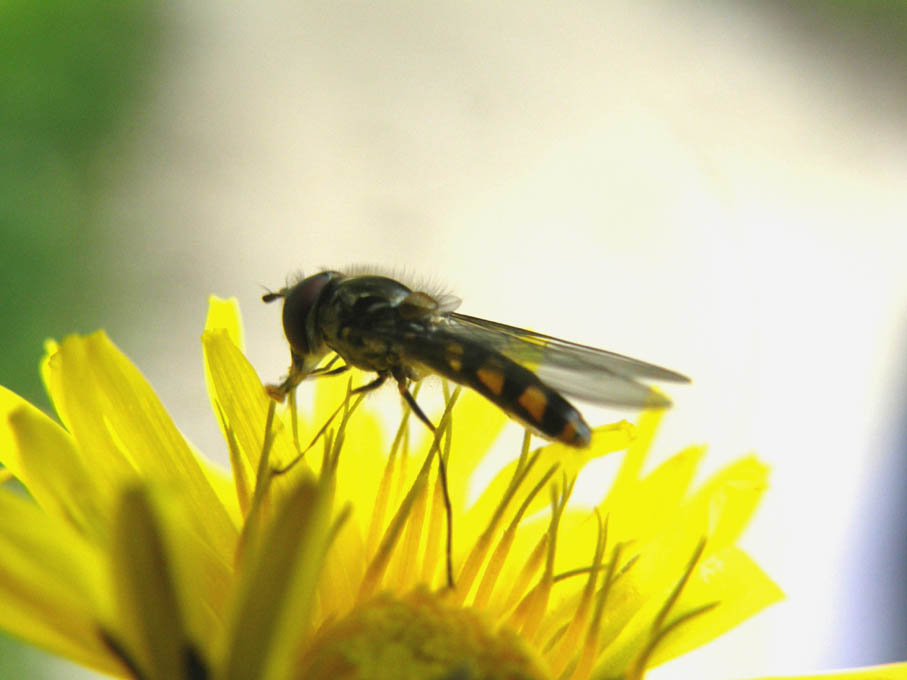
{"x":10,"y":402}
{"x":44,"y":457}
{"x":56,"y":476}
{"x":239,"y":395}
{"x":65,"y":369}
{"x":242,"y":406}
{"x":654,"y":500}
{"x":52,"y":379}
{"x":224,"y":314}
{"x":727,"y":501}
{"x":728,"y":578}
{"x":628,"y":474}
{"x":718,"y":511}
{"x":345,"y":564}
{"x":201,"y":577}
{"x":733,"y":580}
{"x":272,"y":609}
{"x":223,"y":317}
{"x":221,"y":483}
{"x":149,"y":628}
{"x":49,"y":584}
{"x":115,"y":414}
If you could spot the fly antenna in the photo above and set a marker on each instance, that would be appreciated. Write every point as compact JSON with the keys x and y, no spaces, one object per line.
{"x":272,"y":295}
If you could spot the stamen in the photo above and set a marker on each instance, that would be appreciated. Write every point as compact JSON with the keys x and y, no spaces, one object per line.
{"x":521,"y":584}
{"x":402,"y":461}
{"x":569,"y":639}
{"x":433,"y":538}
{"x":440,"y":506}
{"x":408,"y":555}
{"x":382,"y":498}
{"x":480,"y":549}
{"x":499,"y":556}
{"x":262,"y":484}
{"x":294,"y":421}
{"x":378,"y":566}
{"x":590,"y":645}
{"x":659,"y":630}
{"x":237,"y":464}
{"x":532,"y":628}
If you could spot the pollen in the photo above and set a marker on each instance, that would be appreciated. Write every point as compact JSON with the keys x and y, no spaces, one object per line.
{"x":417,"y":636}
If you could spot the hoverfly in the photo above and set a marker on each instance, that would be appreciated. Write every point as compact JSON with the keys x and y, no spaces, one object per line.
{"x":378,"y":324}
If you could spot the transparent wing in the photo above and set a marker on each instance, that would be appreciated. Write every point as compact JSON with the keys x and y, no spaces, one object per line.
{"x":584,"y":372}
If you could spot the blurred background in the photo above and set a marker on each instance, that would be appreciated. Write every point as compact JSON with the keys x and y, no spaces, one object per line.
{"x":718,"y":188}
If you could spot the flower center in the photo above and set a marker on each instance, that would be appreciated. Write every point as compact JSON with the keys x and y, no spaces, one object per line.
{"x":417,"y":637}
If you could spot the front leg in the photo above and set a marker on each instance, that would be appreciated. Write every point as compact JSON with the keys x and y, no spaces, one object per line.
{"x":296,"y":375}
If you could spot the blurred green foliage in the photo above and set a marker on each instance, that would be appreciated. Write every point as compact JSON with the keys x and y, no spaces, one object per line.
{"x":865,"y":29}
{"x":72,"y":77}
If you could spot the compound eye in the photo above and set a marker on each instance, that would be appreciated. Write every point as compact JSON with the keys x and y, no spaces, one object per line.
{"x":297,"y":305}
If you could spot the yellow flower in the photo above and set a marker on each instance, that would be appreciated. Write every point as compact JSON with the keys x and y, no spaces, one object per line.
{"x":136,"y":557}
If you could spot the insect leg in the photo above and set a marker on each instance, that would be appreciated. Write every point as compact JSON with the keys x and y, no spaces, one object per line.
{"x":294,"y":419}
{"x":279,"y":392}
{"x":333,"y":371}
{"x":415,"y":407}
{"x":368,"y":387}
{"x":442,"y":474}
{"x":327,"y":370}
{"x":448,"y":510}
{"x":404,"y":392}
{"x":373,"y":385}
{"x":364,"y":388}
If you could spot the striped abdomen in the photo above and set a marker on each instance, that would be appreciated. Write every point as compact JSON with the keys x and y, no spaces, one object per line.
{"x":513,"y":388}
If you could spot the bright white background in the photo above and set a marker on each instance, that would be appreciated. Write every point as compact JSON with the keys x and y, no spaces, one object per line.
{"x":712,"y":189}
